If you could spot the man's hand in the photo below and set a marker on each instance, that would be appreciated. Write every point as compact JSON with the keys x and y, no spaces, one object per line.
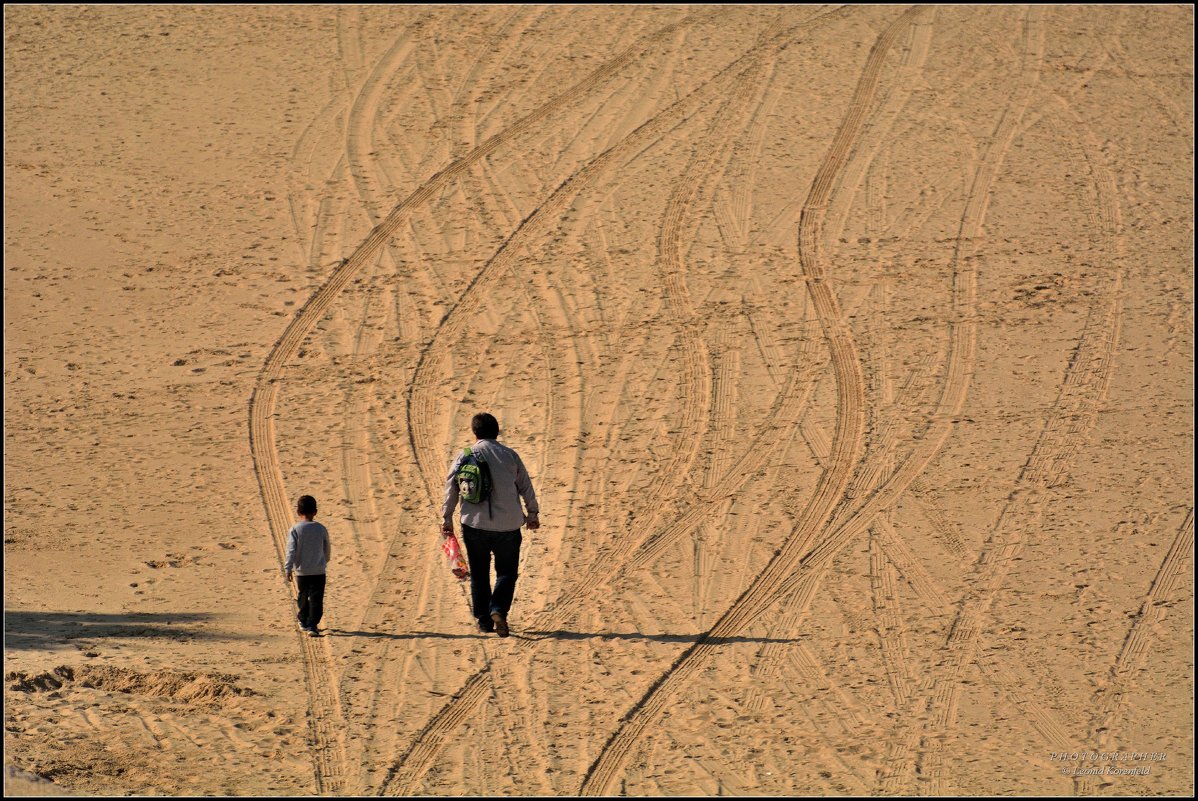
{"x":288,"y":575}
{"x":447,"y":529}
{"x":532,"y":522}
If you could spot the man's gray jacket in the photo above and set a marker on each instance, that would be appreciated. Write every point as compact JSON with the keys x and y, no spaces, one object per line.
{"x":509,"y":483}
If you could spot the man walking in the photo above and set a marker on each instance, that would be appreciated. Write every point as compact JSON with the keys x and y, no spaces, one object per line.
{"x":491,"y":525}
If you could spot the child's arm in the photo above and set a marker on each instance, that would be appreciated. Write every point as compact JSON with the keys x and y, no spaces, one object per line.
{"x":289,"y":562}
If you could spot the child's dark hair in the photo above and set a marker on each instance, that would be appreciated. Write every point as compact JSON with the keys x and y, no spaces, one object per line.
{"x":306,"y":506}
{"x":484,"y":426}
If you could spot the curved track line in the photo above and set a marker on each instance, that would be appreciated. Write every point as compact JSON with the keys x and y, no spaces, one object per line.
{"x":475,"y":189}
{"x":846,"y":448}
{"x":418,"y":405}
{"x":631,"y":144}
{"x":788,"y":404}
{"x":1073,"y":417}
{"x":424,"y":380}
{"x":1171,"y":111}
{"x":403,"y":777}
{"x":471,"y":157}
{"x":496,"y":52}
{"x":367,"y":166}
{"x":889,"y":624}
{"x":714,"y":148}
{"x":732,"y":482}
{"x":363,"y":169}
{"x":1136,"y":645}
{"x":1009,"y":679}
{"x":1042,"y":466}
{"x":1003,"y":678}
{"x":364,"y":109}
{"x":952,"y":397}
{"x":316,"y":305}
{"x":325,"y":714}
{"x":1076,"y":411}
{"x":456,"y":110}
{"x":696,"y":399}
{"x":328,"y":720}
{"x":480,"y":184}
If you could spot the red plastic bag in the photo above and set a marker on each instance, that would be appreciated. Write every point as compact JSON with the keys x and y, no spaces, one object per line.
{"x":453,"y":554}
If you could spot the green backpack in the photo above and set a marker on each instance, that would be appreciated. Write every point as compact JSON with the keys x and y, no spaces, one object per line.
{"x":474,"y":478}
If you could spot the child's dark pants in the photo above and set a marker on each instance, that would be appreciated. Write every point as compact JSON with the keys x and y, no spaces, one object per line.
{"x":311,"y":599}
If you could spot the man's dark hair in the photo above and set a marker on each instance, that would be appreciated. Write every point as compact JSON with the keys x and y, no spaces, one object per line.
{"x":484,"y":426}
{"x":306,"y":506}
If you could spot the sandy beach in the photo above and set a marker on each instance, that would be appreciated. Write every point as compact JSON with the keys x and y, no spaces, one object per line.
{"x":850,"y":350}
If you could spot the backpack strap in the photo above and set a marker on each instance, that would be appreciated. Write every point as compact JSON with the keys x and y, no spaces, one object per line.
{"x":462,"y":460}
{"x":485,"y":474}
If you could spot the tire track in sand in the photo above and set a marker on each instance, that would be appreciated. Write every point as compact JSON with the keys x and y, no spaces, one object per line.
{"x":962,"y":346}
{"x":551,"y":314}
{"x":328,"y":720}
{"x":509,"y":681}
{"x":364,"y":171}
{"x":373,"y":180}
{"x":726,"y":325}
{"x":420,"y":446}
{"x":406,"y":774}
{"x":887,"y":411}
{"x":421,"y":408}
{"x":1008,"y":678}
{"x":465,"y":142}
{"x":645,"y":549}
{"x":1134,"y":654}
{"x":500,"y":44}
{"x":1050,"y":466}
{"x":1083,"y":387}
{"x":631,"y":144}
{"x":771,"y":655}
{"x":697,"y":382}
{"x":1068,"y":426}
{"x":840,"y":704}
{"x":951,"y":399}
{"x":481,"y":195}
{"x":325,"y":715}
{"x":705,"y":398}
{"x":847,"y":447}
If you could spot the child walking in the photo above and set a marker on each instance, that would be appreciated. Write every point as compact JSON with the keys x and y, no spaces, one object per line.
{"x":308,"y":552}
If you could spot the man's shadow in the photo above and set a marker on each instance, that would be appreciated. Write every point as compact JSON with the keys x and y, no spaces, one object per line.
{"x":557,"y":634}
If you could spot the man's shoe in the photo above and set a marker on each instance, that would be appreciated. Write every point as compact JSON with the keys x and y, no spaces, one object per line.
{"x":500,"y":623}
{"x":313,"y":632}
{"x":486,"y":626}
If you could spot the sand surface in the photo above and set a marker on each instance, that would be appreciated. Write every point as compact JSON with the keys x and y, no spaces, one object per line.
{"x":850,"y":350}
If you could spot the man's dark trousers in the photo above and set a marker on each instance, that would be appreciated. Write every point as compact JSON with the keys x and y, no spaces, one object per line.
{"x":480,"y":544}
{"x":310,"y":598}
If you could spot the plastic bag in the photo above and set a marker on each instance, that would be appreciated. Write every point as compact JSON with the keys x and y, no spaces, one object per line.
{"x":453,"y":555}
